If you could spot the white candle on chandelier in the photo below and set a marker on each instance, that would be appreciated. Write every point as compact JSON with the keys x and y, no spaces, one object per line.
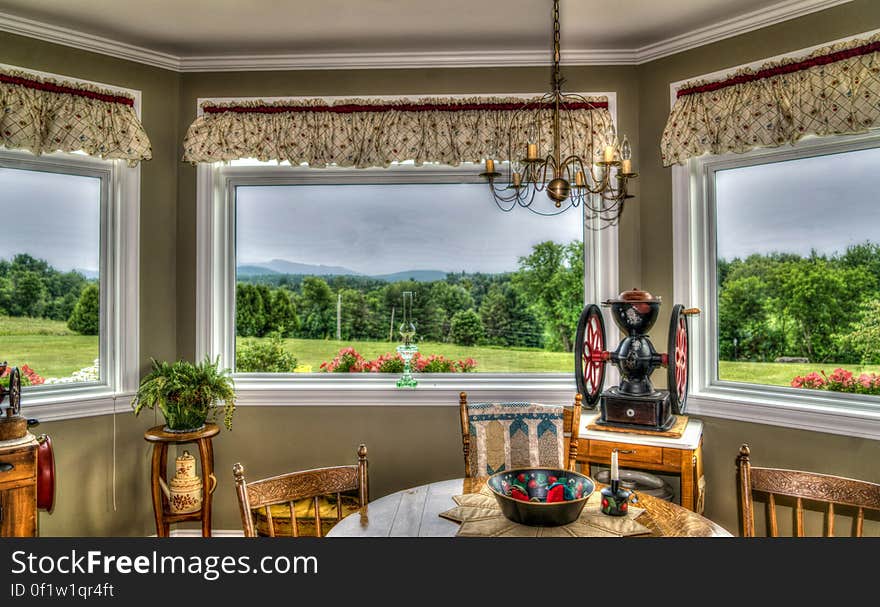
{"x":609,"y":153}
{"x":615,"y":473}
{"x":580,"y":179}
{"x":532,"y":151}
{"x":490,"y":165}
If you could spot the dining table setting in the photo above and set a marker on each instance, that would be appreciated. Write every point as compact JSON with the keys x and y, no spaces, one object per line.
{"x":472,"y":507}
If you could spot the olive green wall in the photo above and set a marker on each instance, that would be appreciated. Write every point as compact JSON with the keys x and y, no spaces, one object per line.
{"x":771,"y":445}
{"x":408,"y":445}
{"x":620,"y":79}
{"x":84,"y":447}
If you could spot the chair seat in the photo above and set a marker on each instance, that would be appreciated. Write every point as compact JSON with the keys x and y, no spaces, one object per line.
{"x":305,"y":516}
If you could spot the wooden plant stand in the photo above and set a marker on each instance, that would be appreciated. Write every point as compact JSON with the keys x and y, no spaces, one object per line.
{"x":161,"y":508}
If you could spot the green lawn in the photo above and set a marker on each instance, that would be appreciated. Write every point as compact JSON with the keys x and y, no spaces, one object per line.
{"x":781,"y":374}
{"x":47,"y":346}
{"x":52,"y":350}
{"x":312,"y":352}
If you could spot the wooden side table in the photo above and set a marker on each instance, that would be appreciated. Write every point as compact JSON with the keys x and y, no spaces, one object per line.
{"x":678,"y":456}
{"x":161,"y":508}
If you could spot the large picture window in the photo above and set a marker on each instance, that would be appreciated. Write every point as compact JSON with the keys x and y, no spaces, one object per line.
{"x":780,"y":250}
{"x":50,"y":271}
{"x":320,"y":273}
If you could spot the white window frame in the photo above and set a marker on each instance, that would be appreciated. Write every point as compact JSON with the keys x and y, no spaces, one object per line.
{"x":215,"y":293}
{"x":695,"y":263}
{"x":119,"y":280}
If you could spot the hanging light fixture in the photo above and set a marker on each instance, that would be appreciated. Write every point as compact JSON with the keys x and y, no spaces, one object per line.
{"x":570,"y":177}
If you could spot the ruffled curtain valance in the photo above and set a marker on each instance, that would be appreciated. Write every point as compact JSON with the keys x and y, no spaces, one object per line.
{"x":835,"y":90}
{"x":374,"y":133}
{"x":45,"y":115}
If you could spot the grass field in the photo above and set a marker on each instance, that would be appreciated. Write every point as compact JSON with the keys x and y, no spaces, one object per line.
{"x":52,"y":350}
{"x":47,"y":346}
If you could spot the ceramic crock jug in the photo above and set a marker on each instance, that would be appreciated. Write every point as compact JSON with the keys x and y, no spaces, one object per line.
{"x":185,"y":493}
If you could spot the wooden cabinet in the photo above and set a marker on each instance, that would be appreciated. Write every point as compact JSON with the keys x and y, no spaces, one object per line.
{"x":682,"y":457}
{"x":18,"y":490}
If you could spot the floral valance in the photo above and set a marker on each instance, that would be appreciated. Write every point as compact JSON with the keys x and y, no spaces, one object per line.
{"x":375,"y":133}
{"x":834,"y":90}
{"x":45,"y":115}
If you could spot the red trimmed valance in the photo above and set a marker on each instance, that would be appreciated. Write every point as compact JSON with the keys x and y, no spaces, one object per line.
{"x":835,"y":90}
{"x":45,"y":115}
{"x":365,"y":133}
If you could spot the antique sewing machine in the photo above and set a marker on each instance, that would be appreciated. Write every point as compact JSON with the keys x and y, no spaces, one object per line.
{"x":635,"y":403}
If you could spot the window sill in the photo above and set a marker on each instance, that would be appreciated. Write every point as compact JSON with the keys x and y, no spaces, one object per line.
{"x":815,"y":412}
{"x":74,"y":403}
{"x":317,"y":389}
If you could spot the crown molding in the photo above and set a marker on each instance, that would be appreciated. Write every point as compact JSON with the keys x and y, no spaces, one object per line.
{"x":771,"y":15}
{"x":87,"y":42}
{"x":776,"y":13}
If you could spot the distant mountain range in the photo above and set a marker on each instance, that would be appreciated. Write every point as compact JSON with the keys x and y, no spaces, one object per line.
{"x":282,"y":266}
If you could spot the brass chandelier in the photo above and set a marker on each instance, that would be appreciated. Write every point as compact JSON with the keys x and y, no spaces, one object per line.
{"x":596,"y":179}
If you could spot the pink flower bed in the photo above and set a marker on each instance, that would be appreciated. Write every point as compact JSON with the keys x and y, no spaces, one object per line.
{"x":840,"y":380}
{"x":348,"y":360}
{"x":29,"y":377}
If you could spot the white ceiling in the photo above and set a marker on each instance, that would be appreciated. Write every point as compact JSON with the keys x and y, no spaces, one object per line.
{"x":217,"y":28}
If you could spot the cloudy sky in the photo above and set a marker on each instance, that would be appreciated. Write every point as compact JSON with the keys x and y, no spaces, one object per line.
{"x":391,"y":228}
{"x":824,"y":203}
{"x":52,"y":217}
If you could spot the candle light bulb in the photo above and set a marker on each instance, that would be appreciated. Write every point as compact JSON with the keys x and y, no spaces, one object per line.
{"x":580,"y":180}
{"x":625,"y":149}
{"x":516,"y":179}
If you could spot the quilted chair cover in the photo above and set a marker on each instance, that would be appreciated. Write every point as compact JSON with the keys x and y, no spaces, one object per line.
{"x":504,"y":436}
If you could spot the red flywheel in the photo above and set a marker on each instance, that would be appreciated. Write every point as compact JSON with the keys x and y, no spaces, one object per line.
{"x":590,"y":355}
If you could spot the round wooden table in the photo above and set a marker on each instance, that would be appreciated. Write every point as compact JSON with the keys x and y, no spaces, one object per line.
{"x":161,"y":508}
{"x":416,"y":513}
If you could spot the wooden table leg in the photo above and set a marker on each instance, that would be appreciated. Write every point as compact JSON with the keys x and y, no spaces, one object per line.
{"x":206,"y":454}
{"x":160,"y":453}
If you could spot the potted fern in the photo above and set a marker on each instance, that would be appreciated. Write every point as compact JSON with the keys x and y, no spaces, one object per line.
{"x":187,"y":394}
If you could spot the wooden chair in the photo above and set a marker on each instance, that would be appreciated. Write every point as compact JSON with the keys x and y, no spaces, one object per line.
{"x":833,"y":490}
{"x":257,"y":499}
{"x":571,"y":432}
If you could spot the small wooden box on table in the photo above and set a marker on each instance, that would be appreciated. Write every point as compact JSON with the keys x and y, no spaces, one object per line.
{"x":678,"y":456}
{"x":161,"y":508}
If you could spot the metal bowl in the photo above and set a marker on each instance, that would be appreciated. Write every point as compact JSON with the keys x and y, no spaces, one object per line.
{"x":523,"y":494}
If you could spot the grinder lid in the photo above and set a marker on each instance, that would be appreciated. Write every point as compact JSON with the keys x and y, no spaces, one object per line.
{"x":634,"y":295}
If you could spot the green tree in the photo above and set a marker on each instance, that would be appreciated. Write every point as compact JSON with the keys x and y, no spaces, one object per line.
{"x":744,"y":325}
{"x":28,"y":294}
{"x":317,"y":309}
{"x":86,"y":316}
{"x":863,"y":336}
{"x":507,"y":320}
{"x":264,"y":356}
{"x":250,"y":311}
{"x":467,"y":328}
{"x":551,"y":278}
{"x":281,"y":313}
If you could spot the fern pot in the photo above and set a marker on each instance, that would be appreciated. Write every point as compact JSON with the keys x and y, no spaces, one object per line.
{"x":185,"y":417}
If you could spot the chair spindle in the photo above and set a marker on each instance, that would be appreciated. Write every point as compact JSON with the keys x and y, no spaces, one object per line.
{"x":799,"y":515}
{"x":316,"y":502}
{"x":830,"y":520}
{"x":294,"y":528}
{"x":338,"y":507}
{"x":774,"y":526}
{"x":270,"y":521}
{"x":860,"y":522}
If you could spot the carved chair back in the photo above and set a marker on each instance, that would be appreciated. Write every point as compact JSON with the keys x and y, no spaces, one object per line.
{"x":258,"y":497}
{"x":809,"y":486}
{"x":522,"y":451}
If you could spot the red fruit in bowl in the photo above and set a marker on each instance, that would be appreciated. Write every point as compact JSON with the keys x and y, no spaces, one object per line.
{"x":516,"y":494}
{"x":521,"y":477}
{"x":551,"y":479}
{"x":556,"y":494}
{"x":533,"y":484}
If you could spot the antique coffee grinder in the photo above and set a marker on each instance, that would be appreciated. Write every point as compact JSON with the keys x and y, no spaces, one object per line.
{"x":634,"y":403}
